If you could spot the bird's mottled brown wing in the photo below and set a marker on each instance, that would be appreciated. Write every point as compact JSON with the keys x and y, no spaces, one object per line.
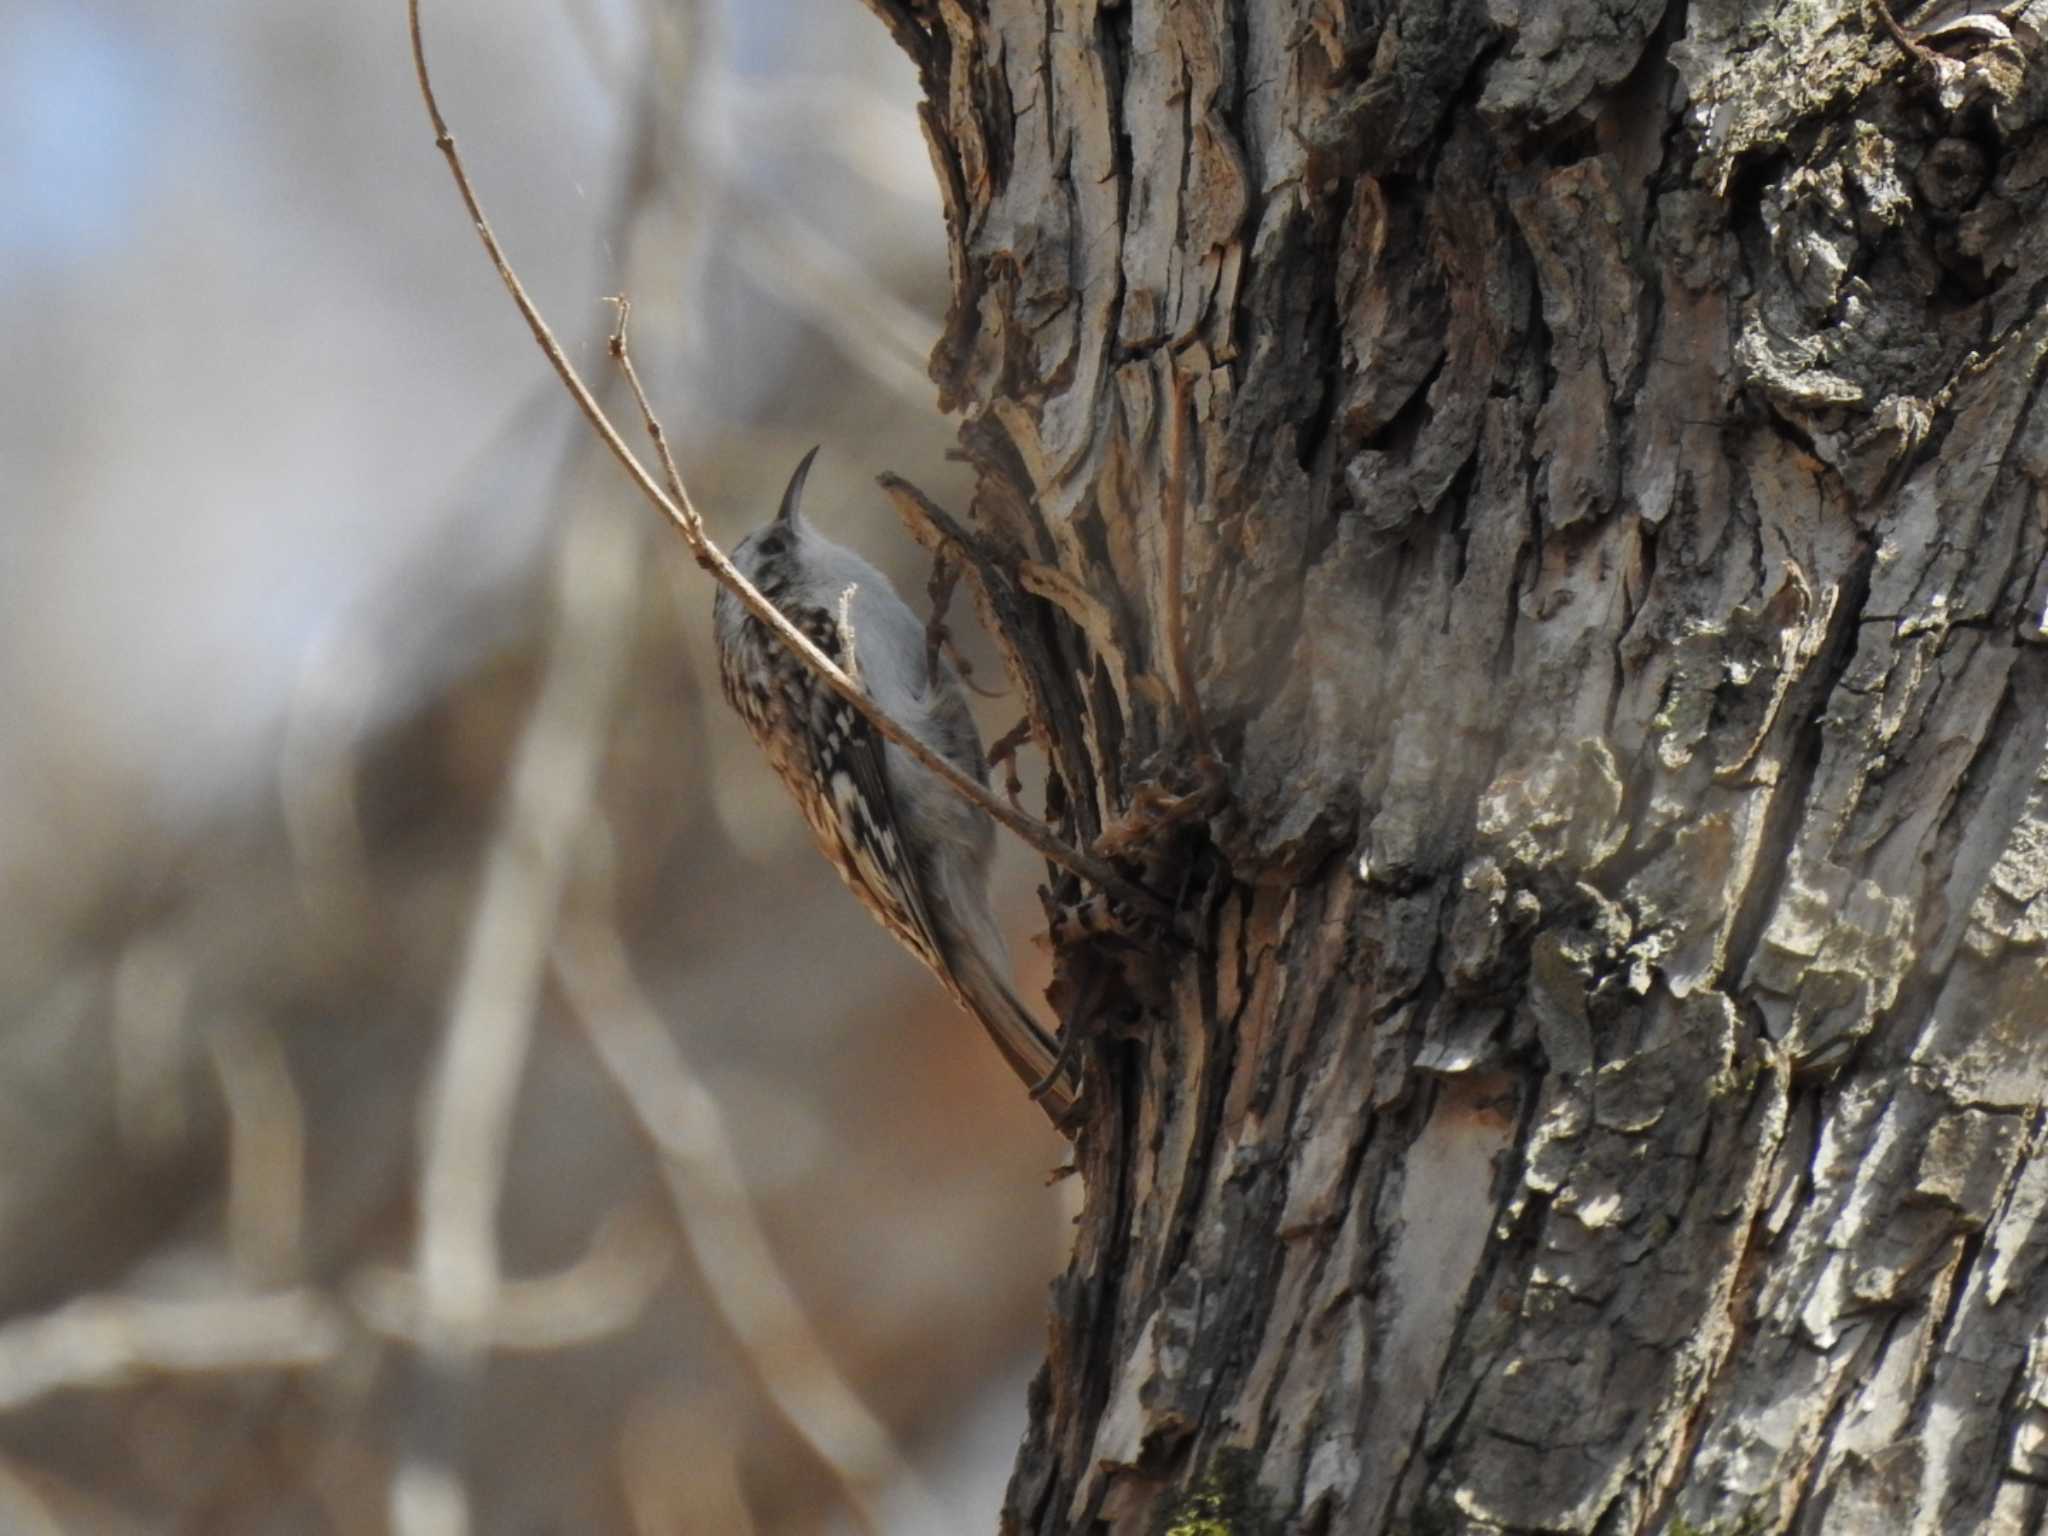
{"x":831,"y":760}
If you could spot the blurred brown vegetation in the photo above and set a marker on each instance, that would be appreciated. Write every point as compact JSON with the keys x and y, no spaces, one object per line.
{"x":289,"y":563}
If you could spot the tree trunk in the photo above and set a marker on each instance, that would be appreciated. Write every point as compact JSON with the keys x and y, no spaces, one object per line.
{"x":1596,"y":1081}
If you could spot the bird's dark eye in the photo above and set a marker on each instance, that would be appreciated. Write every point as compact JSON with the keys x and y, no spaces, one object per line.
{"x":769,"y":546}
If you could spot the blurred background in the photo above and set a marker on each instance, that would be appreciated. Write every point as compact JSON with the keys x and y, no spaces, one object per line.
{"x":440,"y":1087}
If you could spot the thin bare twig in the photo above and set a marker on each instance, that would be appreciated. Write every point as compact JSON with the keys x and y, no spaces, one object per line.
{"x":682,"y":1122}
{"x":938,"y":638}
{"x":1003,"y":753}
{"x":622,"y":353}
{"x":966,"y":672}
{"x":601,"y":1294}
{"x":682,"y":513}
{"x":468,"y":1109}
{"x":1914,"y":49}
{"x":150,"y":1032}
{"x":105,"y":1341}
{"x":266,"y":1151}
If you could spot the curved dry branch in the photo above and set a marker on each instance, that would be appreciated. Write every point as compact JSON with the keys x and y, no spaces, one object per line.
{"x":676,"y":506}
{"x":684,"y":1125}
{"x":108,"y":1341}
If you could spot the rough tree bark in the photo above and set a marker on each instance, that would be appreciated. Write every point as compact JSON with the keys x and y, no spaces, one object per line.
{"x":1601,"y":1087}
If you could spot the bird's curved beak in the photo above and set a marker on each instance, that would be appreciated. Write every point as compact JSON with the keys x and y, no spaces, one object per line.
{"x":788,"y":512}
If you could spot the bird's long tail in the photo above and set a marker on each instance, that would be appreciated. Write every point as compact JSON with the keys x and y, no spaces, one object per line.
{"x":1032,"y":1053}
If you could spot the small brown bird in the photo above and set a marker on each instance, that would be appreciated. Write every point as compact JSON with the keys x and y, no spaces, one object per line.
{"x":914,"y":851}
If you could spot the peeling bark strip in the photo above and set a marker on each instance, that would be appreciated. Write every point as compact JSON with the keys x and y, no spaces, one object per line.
{"x":1605,"y":1091}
